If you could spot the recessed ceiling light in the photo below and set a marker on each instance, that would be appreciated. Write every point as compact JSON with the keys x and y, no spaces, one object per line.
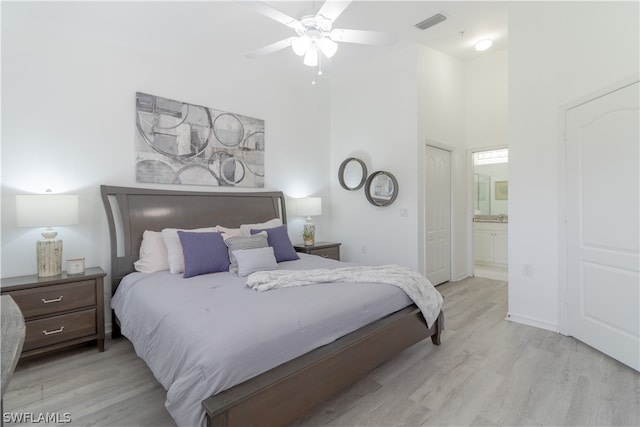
{"x":483,"y":44}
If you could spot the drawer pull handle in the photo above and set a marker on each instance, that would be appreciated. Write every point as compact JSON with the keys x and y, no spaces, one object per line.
{"x":57,"y":331}
{"x":47,"y":301}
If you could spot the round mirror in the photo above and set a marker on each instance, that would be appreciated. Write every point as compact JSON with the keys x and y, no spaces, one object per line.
{"x":352,"y":174}
{"x":381,"y":188}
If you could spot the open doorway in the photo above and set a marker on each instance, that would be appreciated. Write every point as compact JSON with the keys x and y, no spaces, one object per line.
{"x":491,"y":213}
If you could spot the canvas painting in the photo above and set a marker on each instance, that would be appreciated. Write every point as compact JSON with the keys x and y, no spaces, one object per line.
{"x":181,"y":143}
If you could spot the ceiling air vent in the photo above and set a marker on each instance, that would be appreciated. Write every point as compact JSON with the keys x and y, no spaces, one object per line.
{"x":430,"y":22}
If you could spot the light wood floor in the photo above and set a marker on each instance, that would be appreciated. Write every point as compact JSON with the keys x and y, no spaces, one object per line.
{"x":488,"y":371}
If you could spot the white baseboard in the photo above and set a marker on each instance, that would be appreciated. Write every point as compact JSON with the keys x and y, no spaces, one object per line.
{"x":529,"y":321}
{"x":461,"y":277}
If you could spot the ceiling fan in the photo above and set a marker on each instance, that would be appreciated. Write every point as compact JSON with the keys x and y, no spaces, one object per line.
{"x":315,"y":34}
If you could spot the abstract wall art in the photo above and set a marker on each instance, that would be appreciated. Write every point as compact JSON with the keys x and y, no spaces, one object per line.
{"x":181,"y":143}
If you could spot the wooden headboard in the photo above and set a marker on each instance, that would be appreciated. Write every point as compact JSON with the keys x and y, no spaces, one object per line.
{"x":131,"y":211}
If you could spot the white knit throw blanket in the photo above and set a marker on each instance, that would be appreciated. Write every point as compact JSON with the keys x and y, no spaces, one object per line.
{"x":416,"y":286}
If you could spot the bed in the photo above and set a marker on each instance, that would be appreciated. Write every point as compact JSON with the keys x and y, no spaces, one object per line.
{"x":262,"y":392}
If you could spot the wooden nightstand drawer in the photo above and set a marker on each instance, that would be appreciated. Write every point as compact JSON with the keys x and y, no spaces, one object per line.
{"x":55,"y":329}
{"x":333,"y":253}
{"x":323,"y":249}
{"x":56,"y":298}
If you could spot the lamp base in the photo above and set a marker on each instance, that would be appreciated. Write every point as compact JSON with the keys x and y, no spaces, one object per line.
{"x":49,"y":257}
{"x":309,"y":234}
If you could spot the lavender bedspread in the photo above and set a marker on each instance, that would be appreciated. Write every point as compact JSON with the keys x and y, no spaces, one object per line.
{"x":202,"y":335}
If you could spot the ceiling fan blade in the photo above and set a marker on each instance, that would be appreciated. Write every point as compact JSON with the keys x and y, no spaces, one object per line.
{"x":362,"y":37}
{"x":274,"y":14}
{"x":332,"y":9}
{"x":271,"y":48}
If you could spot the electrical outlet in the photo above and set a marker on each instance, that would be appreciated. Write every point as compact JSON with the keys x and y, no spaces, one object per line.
{"x":527,"y":270}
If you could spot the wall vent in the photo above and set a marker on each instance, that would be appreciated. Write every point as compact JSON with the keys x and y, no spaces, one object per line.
{"x":430,"y":22}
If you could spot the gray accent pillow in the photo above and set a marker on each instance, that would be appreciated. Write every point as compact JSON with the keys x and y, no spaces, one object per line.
{"x":235,"y":243}
{"x":252,"y":260}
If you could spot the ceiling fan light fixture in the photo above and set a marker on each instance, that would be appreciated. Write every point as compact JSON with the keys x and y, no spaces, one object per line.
{"x":484,"y":44}
{"x":328,"y":47}
{"x":301,"y":45}
{"x":311,"y":57}
{"x":336,"y":35}
{"x":315,"y":36}
{"x":323,"y":23}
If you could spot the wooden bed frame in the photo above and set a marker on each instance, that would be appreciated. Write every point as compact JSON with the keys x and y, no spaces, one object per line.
{"x":287,"y":392}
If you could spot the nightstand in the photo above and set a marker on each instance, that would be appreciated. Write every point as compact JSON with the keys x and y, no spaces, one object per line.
{"x":59,"y":311}
{"x":323,"y":249}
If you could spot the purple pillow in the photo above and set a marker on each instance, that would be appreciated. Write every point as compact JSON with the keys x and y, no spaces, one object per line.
{"x":203,"y":253}
{"x":279,"y":240}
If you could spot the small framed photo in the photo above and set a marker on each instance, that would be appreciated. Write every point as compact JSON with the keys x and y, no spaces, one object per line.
{"x":75,"y":266}
{"x":502,"y":190}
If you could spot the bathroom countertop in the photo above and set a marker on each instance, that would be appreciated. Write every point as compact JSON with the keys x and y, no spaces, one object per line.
{"x":500,"y":219}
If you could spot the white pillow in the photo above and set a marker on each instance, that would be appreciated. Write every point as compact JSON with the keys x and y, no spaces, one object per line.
{"x":246,"y":228}
{"x":153,"y":253}
{"x":252,"y":260}
{"x":175,"y":255}
{"x":229,"y":231}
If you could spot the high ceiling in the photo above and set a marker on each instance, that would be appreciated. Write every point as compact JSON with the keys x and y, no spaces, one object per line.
{"x":467,"y":21}
{"x":230,"y":29}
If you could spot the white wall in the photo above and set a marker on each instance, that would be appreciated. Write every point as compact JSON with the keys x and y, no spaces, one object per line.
{"x":68,"y":121}
{"x":374,"y":117}
{"x":486,"y":100}
{"x":441,"y":118}
{"x":384,"y":112}
{"x":558,"y":52}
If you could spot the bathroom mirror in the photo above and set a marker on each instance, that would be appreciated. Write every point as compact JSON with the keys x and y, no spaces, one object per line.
{"x":491,"y":182}
{"x":481,"y":194}
{"x":352,"y":174}
{"x":381,"y":188}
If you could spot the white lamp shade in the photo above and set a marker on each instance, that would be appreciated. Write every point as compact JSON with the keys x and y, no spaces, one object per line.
{"x":47,"y":210}
{"x":328,"y":47}
{"x":309,"y":206}
{"x":311,"y":57}
{"x":300,"y":45}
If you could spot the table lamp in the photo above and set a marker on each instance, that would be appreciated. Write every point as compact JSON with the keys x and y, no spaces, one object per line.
{"x":47,"y":210}
{"x":309,"y":206}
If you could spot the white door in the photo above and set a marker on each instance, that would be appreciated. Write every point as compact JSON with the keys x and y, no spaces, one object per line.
{"x":603,"y":199}
{"x":438,"y":215}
